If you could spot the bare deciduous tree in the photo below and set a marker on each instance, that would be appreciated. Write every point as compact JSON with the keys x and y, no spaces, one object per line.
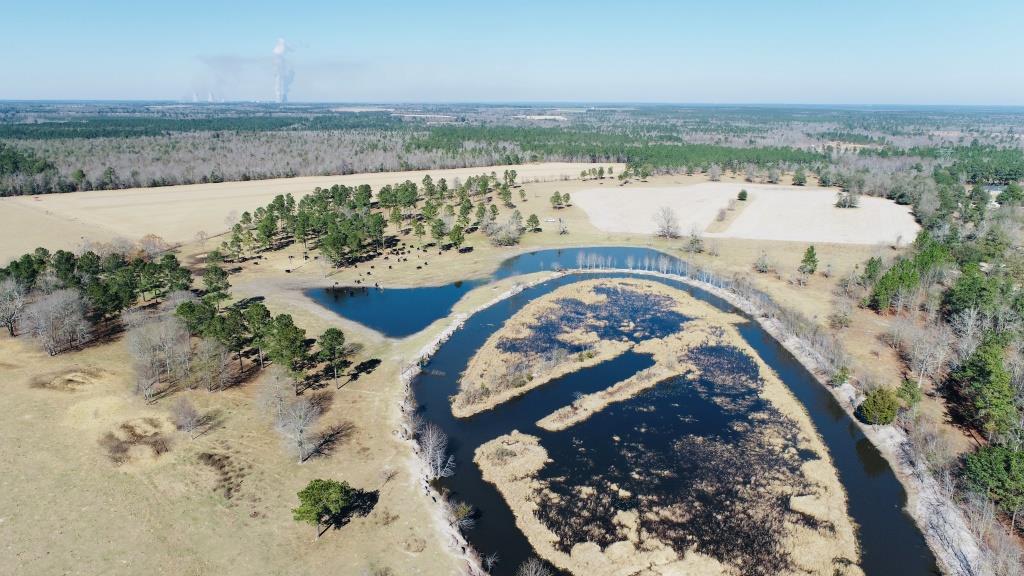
{"x":159,"y":348}
{"x":928,"y":351}
{"x":434,"y":451}
{"x":666,"y":222}
{"x":295,"y":420}
{"x":714,"y":173}
{"x":185,"y":416}
{"x":969,"y":327}
{"x":175,"y":299}
{"x":491,"y":560}
{"x":533,"y":567}
{"x":57,"y":320}
{"x":12,"y":303}
{"x":211,"y":365}
{"x":276,"y":388}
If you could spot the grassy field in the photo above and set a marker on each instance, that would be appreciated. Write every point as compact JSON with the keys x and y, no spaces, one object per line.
{"x":169,"y":513}
{"x":178,"y":213}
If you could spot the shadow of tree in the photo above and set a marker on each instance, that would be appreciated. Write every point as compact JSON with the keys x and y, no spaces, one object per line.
{"x":209,"y":421}
{"x":361,"y":504}
{"x":322,"y":400}
{"x":328,"y":440}
{"x":364,"y":367}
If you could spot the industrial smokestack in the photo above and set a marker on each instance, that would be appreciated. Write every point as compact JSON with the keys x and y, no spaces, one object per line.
{"x":283,"y":74}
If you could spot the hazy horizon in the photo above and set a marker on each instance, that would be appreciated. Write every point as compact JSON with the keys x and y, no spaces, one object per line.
{"x":875,"y":106}
{"x":736,"y":52}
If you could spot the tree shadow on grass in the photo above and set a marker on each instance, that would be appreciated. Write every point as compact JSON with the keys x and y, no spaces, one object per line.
{"x":362,"y":502}
{"x":209,"y":421}
{"x":364,"y":367}
{"x":328,"y":440}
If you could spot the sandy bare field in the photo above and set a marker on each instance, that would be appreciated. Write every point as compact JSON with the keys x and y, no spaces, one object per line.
{"x":177,"y":213}
{"x":784,"y":213}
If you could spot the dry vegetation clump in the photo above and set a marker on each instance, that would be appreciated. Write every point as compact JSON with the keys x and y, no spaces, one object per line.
{"x":230,"y":473}
{"x":72,"y":380}
{"x":135,"y":440}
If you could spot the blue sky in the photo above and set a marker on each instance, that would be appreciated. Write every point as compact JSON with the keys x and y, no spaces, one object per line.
{"x":735,"y":51}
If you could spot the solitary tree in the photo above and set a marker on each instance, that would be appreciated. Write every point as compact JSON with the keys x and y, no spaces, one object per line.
{"x":809,"y":264}
{"x":320,"y":501}
{"x":742,"y":196}
{"x":847,"y":199}
{"x":433,"y":444}
{"x":799,"y":177}
{"x":332,"y":349}
{"x":186,"y":417}
{"x":714,"y":173}
{"x":695,"y":245}
{"x":667,"y":223}
{"x":294,"y":421}
{"x":879,"y":406}
{"x":533,"y":567}
{"x":533,"y":223}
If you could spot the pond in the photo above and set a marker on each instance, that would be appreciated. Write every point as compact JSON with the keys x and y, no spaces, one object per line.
{"x":889,"y":540}
{"x":400,"y":312}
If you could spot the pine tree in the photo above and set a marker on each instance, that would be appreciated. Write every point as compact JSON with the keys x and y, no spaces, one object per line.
{"x":810,"y":262}
{"x":321,"y":501}
{"x":799,"y":177}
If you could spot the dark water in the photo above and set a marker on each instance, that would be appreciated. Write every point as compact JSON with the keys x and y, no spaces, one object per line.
{"x":399,"y":312}
{"x":889,"y":540}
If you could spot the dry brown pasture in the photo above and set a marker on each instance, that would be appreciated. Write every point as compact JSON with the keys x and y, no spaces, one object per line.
{"x":178,"y":213}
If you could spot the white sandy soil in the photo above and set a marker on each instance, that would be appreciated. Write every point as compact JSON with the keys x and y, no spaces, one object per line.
{"x":772,"y":212}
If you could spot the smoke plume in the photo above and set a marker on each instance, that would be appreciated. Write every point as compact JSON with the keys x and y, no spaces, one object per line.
{"x":283,"y":73}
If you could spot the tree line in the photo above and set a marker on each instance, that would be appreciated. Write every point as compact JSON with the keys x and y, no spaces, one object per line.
{"x":959,"y":307}
{"x":348,"y":224}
